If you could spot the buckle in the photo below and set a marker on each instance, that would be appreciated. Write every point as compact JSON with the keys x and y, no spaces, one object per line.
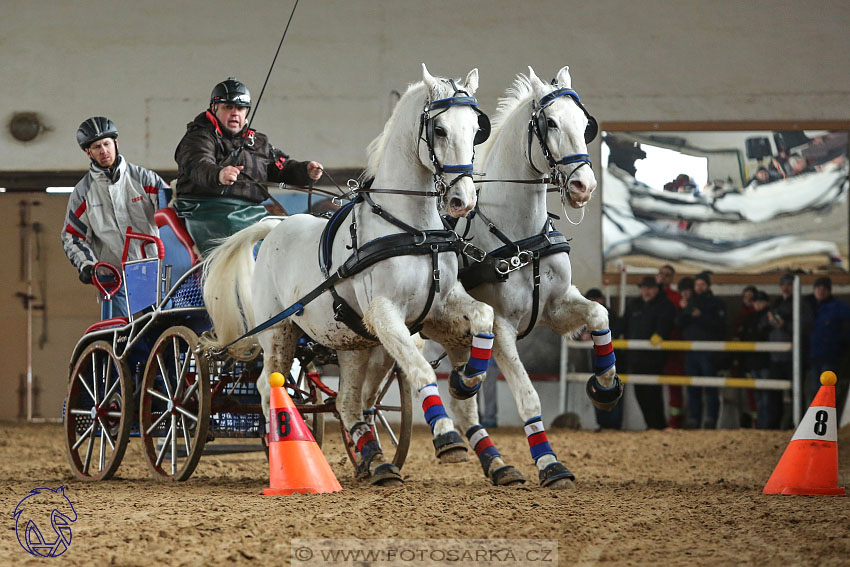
{"x":473,"y":252}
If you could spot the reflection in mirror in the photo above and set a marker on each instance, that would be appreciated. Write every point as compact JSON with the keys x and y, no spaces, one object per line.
{"x":726,"y":201}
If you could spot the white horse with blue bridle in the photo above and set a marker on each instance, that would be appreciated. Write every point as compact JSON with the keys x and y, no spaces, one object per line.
{"x":538,"y":144}
{"x":386,"y":266}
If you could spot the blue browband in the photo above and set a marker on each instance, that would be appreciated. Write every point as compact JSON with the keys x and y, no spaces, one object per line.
{"x":547,"y":100}
{"x":453,"y":101}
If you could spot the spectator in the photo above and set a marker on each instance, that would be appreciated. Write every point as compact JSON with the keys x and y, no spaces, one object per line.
{"x":756,"y":327}
{"x":113,"y":196}
{"x":664,"y":277}
{"x":761,"y":177}
{"x":675,"y":365}
{"x":222,"y":167}
{"x":747,"y":297}
{"x":649,"y":317}
{"x":702,"y":318}
{"x":781,"y":319}
{"x":798,"y":165}
{"x":605,"y":419}
{"x":830,"y":334}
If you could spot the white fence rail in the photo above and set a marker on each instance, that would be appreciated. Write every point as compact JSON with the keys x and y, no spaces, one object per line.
{"x":795,"y":384}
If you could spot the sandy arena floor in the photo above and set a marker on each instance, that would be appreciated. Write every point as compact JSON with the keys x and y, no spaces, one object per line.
{"x":651,"y":498}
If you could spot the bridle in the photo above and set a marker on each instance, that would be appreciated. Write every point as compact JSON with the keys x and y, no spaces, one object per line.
{"x":538,"y":128}
{"x":426,"y":125}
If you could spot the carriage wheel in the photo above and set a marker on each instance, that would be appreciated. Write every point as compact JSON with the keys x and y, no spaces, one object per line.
{"x":315,"y":421}
{"x":174,"y":410}
{"x":98,"y":412}
{"x":393,"y":421}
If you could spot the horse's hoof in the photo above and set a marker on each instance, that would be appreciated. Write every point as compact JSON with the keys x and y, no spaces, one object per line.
{"x":450,"y":448}
{"x":387,"y":475}
{"x":506,"y":476}
{"x":604,"y":398}
{"x":452,"y":456}
{"x":556,"y":476}
{"x":458,"y":389}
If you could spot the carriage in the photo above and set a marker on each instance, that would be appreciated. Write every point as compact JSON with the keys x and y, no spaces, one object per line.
{"x":146,"y":375}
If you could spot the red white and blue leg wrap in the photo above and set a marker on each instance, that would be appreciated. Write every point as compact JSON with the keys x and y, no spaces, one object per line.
{"x":364,"y":440}
{"x":538,"y":443}
{"x":480,"y":441}
{"x":479,"y":358}
{"x":604,"y":349}
{"x":432,"y":405}
{"x":369,"y":418}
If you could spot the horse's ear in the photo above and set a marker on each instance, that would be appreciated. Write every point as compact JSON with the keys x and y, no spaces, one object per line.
{"x":563,"y":79}
{"x":430,"y":82}
{"x":540,"y":88}
{"x":472,"y":81}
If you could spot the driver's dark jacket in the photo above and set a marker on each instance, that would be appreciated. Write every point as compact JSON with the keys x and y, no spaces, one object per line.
{"x":206,"y":148}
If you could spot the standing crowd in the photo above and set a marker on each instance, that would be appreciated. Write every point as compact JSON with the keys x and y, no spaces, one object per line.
{"x":690,"y":311}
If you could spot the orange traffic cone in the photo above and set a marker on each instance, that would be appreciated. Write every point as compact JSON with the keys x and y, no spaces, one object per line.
{"x":810,"y":463}
{"x":296,"y":463}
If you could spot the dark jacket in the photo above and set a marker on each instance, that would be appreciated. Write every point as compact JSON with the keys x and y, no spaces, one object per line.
{"x":756,"y":328}
{"x":782,"y":329}
{"x":642,"y":320}
{"x":710,"y":324}
{"x":206,"y":148}
{"x":830,"y":331}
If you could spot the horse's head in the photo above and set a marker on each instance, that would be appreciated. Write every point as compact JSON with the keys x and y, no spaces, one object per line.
{"x":564,"y":128}
{"x":451,"y":125}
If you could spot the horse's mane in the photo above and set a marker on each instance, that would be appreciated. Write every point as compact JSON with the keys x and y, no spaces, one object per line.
{"x":515,"y":96}
{"x":413,"y":95}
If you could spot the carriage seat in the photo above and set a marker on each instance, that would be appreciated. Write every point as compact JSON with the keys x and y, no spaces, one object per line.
{"x":180,"y":250}
{"x":107,"y":324}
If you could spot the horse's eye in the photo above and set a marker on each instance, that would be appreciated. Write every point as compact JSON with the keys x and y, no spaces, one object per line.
{"x":551,"y":123}
{"x":439,"y":131}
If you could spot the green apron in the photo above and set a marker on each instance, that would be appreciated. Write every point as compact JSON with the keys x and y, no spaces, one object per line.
{"x":211,"y":218}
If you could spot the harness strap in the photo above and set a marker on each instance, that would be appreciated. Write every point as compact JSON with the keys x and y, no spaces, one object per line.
{"x":494,"y":229}
{"x":535,"y":295}
{"x":296,"y":308}
{"x":378,"y":210}
{"x":344,"y":313}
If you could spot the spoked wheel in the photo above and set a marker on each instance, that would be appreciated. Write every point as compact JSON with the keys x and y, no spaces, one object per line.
{"x":393,"y":419}
{"x":98,"y":412}
{"x":314,"y":420}
{"x":175,"y":405}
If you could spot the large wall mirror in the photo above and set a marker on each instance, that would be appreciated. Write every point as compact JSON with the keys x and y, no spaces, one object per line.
{"x":730,"y":198}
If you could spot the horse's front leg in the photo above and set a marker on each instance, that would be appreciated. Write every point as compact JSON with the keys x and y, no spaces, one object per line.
{"x":461,"y":317}
{"x":551,"y":472}
{"x":384,"y":319}
{"x":573,"y":311}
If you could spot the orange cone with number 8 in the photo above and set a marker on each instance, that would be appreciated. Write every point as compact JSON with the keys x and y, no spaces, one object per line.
{"x":810,"y":463}
{"x":296,"y":462}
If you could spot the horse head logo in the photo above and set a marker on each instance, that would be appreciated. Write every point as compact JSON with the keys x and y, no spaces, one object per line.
{"x":40,"y":507}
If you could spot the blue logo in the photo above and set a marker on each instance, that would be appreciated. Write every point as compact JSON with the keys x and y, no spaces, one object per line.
{"x":41,"y":509}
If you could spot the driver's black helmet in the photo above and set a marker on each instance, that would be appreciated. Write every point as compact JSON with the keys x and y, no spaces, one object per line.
{"x":94,"y":129}
{"x":231,"y":91}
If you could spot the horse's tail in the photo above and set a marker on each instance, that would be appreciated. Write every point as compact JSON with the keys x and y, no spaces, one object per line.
{"x":228,"y":272}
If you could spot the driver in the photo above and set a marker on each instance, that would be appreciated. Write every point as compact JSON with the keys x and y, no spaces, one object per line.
{"x":113,"y":196}
{"x":222,"y":166}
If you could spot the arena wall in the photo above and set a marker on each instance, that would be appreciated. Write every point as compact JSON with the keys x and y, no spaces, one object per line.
{"x":150,"y":67}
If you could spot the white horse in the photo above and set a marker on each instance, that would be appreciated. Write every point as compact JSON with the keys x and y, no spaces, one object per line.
{"x":429,"y":137}
{"x":538,"y":128}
